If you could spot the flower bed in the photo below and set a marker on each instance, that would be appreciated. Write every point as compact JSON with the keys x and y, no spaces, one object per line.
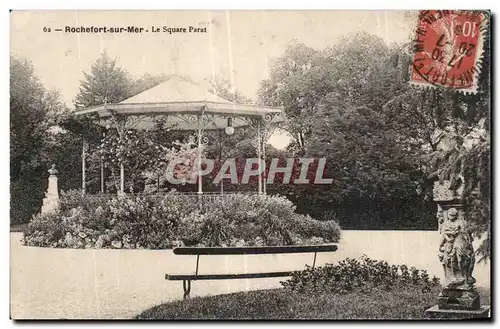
{"x":363,"y":274}
{"x":171,"y":220}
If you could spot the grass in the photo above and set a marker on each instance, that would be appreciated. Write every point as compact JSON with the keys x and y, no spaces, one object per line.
{"x":283,"y":304}
{"x":18,"y":227}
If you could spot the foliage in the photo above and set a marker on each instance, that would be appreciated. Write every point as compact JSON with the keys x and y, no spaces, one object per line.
{"x":142,"y":154}
{"x":44,"y":231}
{"x":107,"y":222}
{"x":223,"y":88}
{"x":339,"y":102}
{"x":466,"y":160}
{"x":336,"y":102}
{"x":250,"y":219}
{"x":283,"y":304}
{"x":63,"y":148}
{"x":43,"y":131}
{"x":460,"y":121}
{"x":18,"y":228}
{"x":358,"y":275}
{"x":172,"y":219}
{"x":401,"y":303}
{"x":25,"y":199}
{"x":106,"y":82}
{"x":33,"y":110}
{"x":75,"y":198}
{"x":27,"y":115}
{"x":293,"y":84}
{"x":136,"y":150}
{"x":146,"y":82}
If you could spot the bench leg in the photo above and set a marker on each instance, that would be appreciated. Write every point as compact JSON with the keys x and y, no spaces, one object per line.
{"x":186,"y":285}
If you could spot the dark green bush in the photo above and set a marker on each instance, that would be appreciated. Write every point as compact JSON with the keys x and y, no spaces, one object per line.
{"x":25,"y":199}
{"x":358,"y":275}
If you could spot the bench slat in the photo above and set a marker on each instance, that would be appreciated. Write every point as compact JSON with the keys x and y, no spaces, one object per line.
{"x":253,"y":250}
{"x":175,"y":277}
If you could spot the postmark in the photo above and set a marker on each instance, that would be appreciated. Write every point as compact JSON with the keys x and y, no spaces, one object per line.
{"x":448,"y":48}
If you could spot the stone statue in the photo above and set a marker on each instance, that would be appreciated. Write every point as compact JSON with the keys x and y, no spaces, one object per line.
{"x":456,"y":253}
{"x":53,"y":171}
{"x":458,"y":299}
{"x":440,"y":219}
{"x":51,"y":200}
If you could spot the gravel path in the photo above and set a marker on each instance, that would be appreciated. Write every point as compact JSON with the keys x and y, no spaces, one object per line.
{"x":112,"y":284}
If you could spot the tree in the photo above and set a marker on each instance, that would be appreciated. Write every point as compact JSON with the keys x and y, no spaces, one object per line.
{"x":294,"y":85}
{"x":468,"y":164}
{"x":33,"y":112}
{"x":223,"y":88}
{"x":106,"y":82}
{"x":146,"y":82}
{"x":303,"y":78}
{"x":141,"y":152}
{"x":421,"y":115}
{"x":28,"y":113}
{"x":335,"y":102}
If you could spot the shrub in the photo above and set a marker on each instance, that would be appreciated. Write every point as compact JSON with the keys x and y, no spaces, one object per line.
{"x":328,"y":230}
{"x":256,"y":220}
{"x":75,"y":198}
{"x":357,"y":275}
{"x":25,"y":199}
{"x":71,"y":230}
{"x":44,"y":231}
{"x":206,"y":229}
{"x":165,"y":221}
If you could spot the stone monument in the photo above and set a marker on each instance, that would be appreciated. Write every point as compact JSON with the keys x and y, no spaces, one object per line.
{"x":458,"y":299}
{"x":51,"y":200}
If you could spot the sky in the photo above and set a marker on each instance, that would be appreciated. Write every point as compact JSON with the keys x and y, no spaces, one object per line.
{"x":238,"y":45}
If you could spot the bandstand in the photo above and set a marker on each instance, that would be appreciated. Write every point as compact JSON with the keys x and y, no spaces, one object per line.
{"x":187,"y":106}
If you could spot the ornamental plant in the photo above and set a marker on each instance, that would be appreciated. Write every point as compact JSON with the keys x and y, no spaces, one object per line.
{"x":362,"y":274}
{"x":173,"y":219}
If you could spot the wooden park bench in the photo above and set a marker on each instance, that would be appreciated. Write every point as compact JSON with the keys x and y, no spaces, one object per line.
{"x":187,"y":278}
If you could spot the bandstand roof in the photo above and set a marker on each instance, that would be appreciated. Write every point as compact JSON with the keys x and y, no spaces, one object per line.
{"x":177,"y":100}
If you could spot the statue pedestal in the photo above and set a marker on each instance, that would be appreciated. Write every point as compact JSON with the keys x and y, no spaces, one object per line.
{"x":454,"y":303}
{"x":457,"y":299}
{"x":51,"y":200}
{"x":436,"y":313}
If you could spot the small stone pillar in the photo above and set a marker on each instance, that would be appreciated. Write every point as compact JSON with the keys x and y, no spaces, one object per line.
{"x":51,"y":200}
{"x":458,"y":299}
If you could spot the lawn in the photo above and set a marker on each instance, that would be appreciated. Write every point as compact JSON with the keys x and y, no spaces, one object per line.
{"x":283,"y":304}
{"x":18,"y":227}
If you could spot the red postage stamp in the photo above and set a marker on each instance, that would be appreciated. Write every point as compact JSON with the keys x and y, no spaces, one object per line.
{"x":448,"y":48}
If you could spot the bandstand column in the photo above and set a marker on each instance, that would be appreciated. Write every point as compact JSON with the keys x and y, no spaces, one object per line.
{"x":200,"y":180}
{"x":102,"y":175}
{"x":264,"y":180}
{"x":122,"y":178}
{"x":259,"y":154}
{"x":120,"y":124}
{"x":83,"y":164}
